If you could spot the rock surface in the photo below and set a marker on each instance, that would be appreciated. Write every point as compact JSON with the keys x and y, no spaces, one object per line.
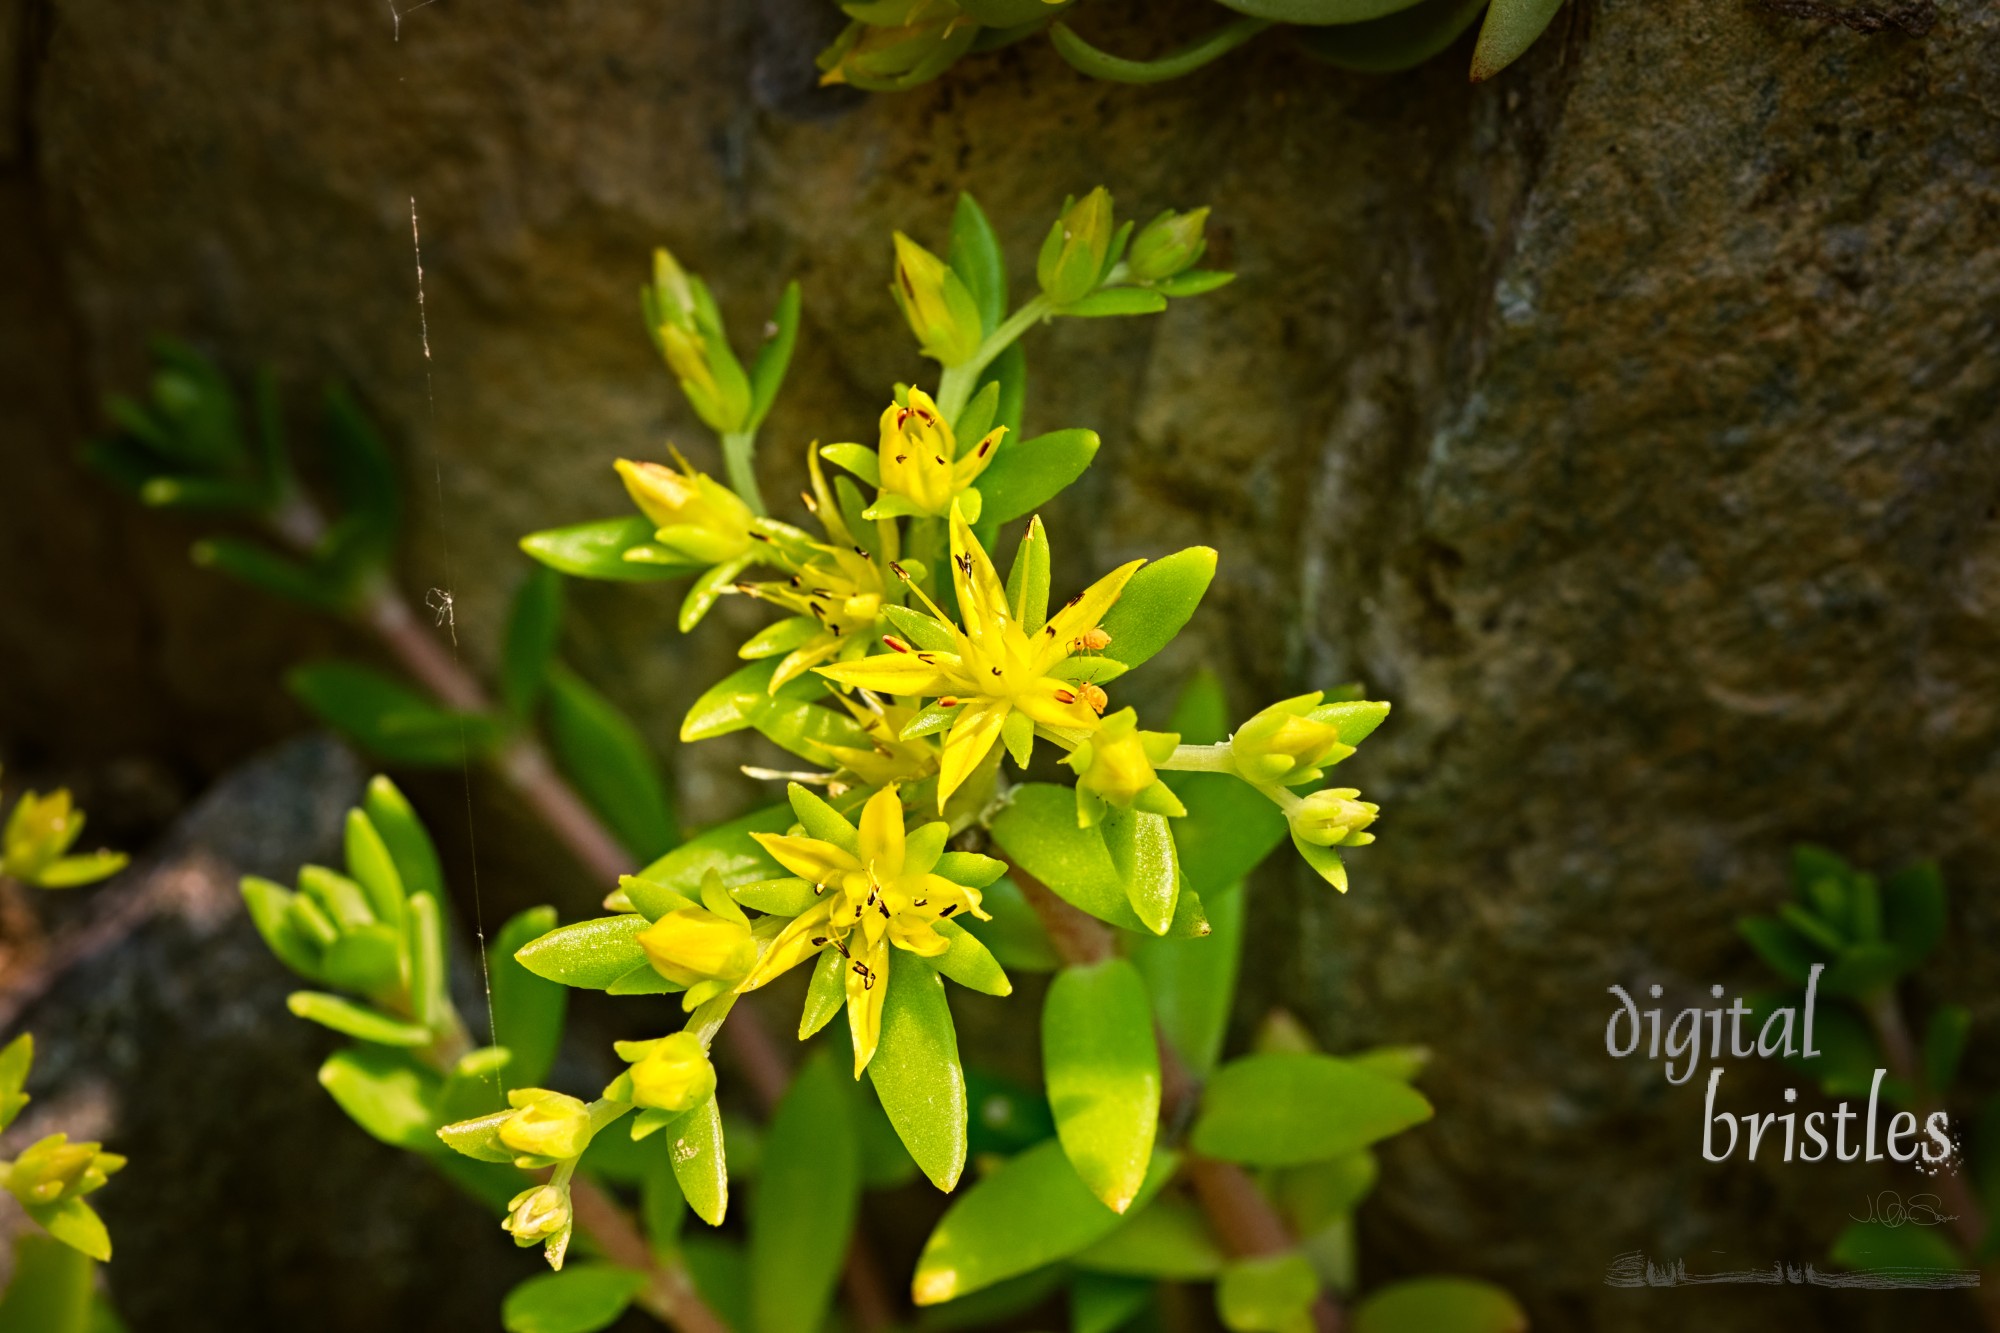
{"x":1632,"y":422}
{"x":252,"y":1201}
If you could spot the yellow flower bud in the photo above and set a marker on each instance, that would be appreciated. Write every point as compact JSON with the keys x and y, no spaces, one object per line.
{"x":673,"y":1074}
{"x":1333,"y":818}
{"x":896,"y":51}
{"x":699,"y":949}
{"x":687,"y":328}
{"x":1117,"y":761}
{"x":55,"y":1169}
{"x":1073,"y":253}
{"x":937,"y":304}
{"x":1289,"y":742}
{"x":1170,"y":244}
{"x":537,"y":1214}
{"x":697,"y":516}
{"x":39,"y":831}
{"x":546,"y":1124}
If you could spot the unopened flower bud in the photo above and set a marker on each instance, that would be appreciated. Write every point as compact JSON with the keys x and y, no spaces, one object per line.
{"x":537,"y":1214}
{"x":1169,"y":244}
{"x":546,"y":1124}
{"x":696,"y":516}
{"x":55,"y":1169}
{"x":1289,"y":743}
{"x":40,"y":829}
{"x":937,"y":304}
{"x":1073,"y":253}
{"x":671,"y":1074}
{"x":1115,"y":765}
{"x":702,"y":950}
{"x":886,"y":55}
{"x":1334,"y":818}
{"x":687,"y":329}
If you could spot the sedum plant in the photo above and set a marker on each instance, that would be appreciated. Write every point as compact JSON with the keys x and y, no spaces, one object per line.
{"x":1868,"y":935}
{"x":892,"y":45}
{"x":36,"y":843}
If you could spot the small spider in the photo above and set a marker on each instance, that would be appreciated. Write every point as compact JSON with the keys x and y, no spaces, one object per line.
{"x":440,"y":601}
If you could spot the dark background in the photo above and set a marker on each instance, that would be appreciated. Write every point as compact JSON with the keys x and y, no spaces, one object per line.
{"x":1631,"y":421}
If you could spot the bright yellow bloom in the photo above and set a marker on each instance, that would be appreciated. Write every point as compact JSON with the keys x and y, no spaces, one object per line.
{"x":1004,"y":665}
{"x":882,"y":893}
{"x":835,"y":596}
{"x":698,"y":517}
{"x":920,"y":462}
{"x":889,"y":758}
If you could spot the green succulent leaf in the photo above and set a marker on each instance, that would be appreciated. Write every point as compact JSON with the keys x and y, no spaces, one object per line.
{"x":53,"y":1286}
{"x":694,"y":1142}
{"x":15,"y":1061}
{"x":975,"y":256}
{"x":1286,"y":1109}
{"x":77,"y":1225}
{"x":1156,"y":603}
{"x":1038,"y":831}
{"x":528,"y":1010}
{"x":916,"y":1071}
{"x":582,"y":1298}
{"x":1318,"y":12}
{"x":534,"y":624}
{"x":774,"y":358}
{"x":1142,"y":851}
{"x":1102,"y":1070}
{"x":1026,"y":474}
{"x":1511,"y":27}
{"x":403,"y":833}
{"x":1269,"y":1293}
{"x":587,"y":954}
{"x":605,"y":550}
{"x":603,"y":753}
{"x":1192,"y":983}
{"x":387,"y":1093}
{"x":1440,"y":1305}
{"x":354,"y":1020}
{"x":1015,"y":936}
{"x":803,"y":1206}
{"x":726,"y":849}
{"x":388,"y":719}
{"x":1030,"y":1211}
{"x":1102,"y":1303}
{"x":1167,"y":1240}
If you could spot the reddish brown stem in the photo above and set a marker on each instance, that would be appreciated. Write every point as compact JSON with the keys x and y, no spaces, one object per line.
{"x":1242,"y":1218}
{"x":670,"y":1292}
{"x":1899,"y":1053}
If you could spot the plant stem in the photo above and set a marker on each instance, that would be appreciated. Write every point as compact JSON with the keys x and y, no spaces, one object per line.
{"x":1242,"y":1218}
{"x":739,"y":460}
{"x":1200,"y":759}
{"x":1899,"y":1052}
{"x":955,"y":386}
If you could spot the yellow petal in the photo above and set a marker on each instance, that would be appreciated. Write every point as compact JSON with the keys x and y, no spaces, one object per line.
{"x":809,"y":654}
{"x":915,"y":934}
{"x":867,"y":983}
{"x":948,"y":897}
{"x":982,"y":597}
{"x":972,"y":736}
{"x":882,"y":835}
{"x":1056,"y":703}
{"x":893,"y":673}
{"x":793,"y":945}
{"x":1083,"y":613}
{"x":810,"y":859}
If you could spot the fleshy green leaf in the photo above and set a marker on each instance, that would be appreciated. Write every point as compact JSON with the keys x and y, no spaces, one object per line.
{"x":1156,"y":603}
{"x":1511,"y":27}
{"x":603,"y":753}
{"x":803,"y":1207}
{"x":975,"y":256}
{"x":403,"y":833}
{"x":1192,"y":983}
{"x":1102,"y":1070}
{"x":344,"y":1016}
{"x":1185,"y":60}
{"x":77,"y":1225}
{"x":269,"y":907}
{"x":52,"y":1287}
{"x":582,"y":1298}
{"x":1030,"y":1211}
{"x":916,"y":1071}
{"x":1270,"y":1293}
{"x":1285,"y":1109}
{"x":599,"y":550}
{"x":1168,"y":1239}
{"x":774,"y":358}
{"x":527,"y":1010}
{"x":1113,"y":301}
{"x":1027,"y":474}
{"x":969,"y":962}
{"x":1015,"y":936}
{"x":1102,"y":1303}
{"x":694,"y":1141}
{"x":1788,"y":953}
{"x":1440,"y":1305}
{"x":726,"y":849}
{"x":479,"y":1138}
{"x":371,"y":866}
{"x":826,"y":995}
{"x":1142,"y":852}
{"x":386,"y":1093}
{"x":1038,"y":830}
{"x":388,"y":719}
{"x":1318,"y":12}
{"x":534,"y":624}
{"x":588,"y":954}
{"x":15,"y":1061}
